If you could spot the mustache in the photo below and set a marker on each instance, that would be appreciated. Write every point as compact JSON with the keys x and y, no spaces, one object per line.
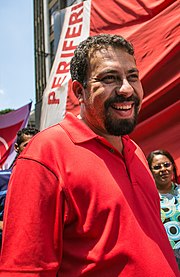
{"x":121,"y":98}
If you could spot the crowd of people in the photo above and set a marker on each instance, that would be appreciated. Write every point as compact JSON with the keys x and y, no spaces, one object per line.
{"x":81,"y":199}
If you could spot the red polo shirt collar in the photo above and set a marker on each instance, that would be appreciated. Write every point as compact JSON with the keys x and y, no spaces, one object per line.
{"x":71,"y":124}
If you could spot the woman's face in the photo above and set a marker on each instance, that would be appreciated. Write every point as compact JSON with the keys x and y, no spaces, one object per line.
{"x":162,"y":170}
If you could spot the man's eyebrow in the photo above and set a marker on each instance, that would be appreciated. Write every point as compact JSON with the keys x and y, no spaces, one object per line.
{"x":113,"y":71}
{"x":133,"y":70}
{"x":108,"y":71}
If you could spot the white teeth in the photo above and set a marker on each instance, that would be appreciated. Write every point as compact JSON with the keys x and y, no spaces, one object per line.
{"x":124,"y":107}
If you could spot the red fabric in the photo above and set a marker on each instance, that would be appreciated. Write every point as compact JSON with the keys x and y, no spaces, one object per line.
{"x":99,"y":212}
{"x":9,"y":136}
{"x":161,"y":130}
{"x":10,"y":123}
{"x":152,"y":27}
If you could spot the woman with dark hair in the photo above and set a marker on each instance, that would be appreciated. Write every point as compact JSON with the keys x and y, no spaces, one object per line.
{"x":164,"y":170}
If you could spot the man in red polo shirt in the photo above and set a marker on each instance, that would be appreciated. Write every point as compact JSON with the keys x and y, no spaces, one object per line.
{"x":87,"y":204}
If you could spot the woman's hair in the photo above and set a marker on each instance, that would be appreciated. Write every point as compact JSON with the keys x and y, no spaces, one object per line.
{"x":151,"y":156}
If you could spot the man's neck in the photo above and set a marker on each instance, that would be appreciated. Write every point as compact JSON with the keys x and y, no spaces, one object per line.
{"x":115,"y":141}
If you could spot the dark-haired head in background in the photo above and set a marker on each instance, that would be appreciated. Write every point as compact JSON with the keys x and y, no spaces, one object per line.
{"x":23,"y":137}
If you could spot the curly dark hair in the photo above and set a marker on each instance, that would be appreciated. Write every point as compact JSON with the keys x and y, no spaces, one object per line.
{"x":151,"y":156}
{"x":25,"y":131}
{"x":80,"y":60}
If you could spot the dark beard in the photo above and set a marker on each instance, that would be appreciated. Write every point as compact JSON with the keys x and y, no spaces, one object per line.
{"x":120,"y":127}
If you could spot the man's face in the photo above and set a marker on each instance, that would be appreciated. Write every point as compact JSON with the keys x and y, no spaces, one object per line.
{"x":114,"y":93}
{"x":26,"y":140}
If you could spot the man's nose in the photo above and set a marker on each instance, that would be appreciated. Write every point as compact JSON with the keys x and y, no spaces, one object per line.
{"x":125,"y":89}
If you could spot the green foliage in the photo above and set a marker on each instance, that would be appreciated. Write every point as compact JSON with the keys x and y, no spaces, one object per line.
{"x":6,"y":111}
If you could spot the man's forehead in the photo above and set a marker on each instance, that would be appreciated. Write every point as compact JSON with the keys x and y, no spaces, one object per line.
{"x":111,"y":54}
{"x":112,"y":58}
{"x":105,"y":50}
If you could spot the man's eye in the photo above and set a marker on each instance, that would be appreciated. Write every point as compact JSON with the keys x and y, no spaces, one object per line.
{"x":133,"y":77}
{"x":109,"y":79}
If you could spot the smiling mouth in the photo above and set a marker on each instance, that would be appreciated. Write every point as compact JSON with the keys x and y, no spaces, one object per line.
{"x":122,"y":106}
{"x":165,"y":175}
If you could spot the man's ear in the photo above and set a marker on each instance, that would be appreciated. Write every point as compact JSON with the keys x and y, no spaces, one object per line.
{"x":16,"y":147}
{"x":78,"y":90}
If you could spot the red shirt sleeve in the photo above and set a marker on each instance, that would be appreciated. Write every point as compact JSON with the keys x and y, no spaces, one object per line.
{"x":35,"y":246}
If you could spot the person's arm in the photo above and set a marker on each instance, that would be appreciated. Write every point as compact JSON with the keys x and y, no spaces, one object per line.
{"x":32,"y":222}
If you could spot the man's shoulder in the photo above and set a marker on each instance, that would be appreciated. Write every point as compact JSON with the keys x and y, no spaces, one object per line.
{"x":68,"y":120}
{"x":47,"y":143}
{"x":47,"y":135}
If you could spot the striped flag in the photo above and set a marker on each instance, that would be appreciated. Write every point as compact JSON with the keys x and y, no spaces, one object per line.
{"x":10,"y":124}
